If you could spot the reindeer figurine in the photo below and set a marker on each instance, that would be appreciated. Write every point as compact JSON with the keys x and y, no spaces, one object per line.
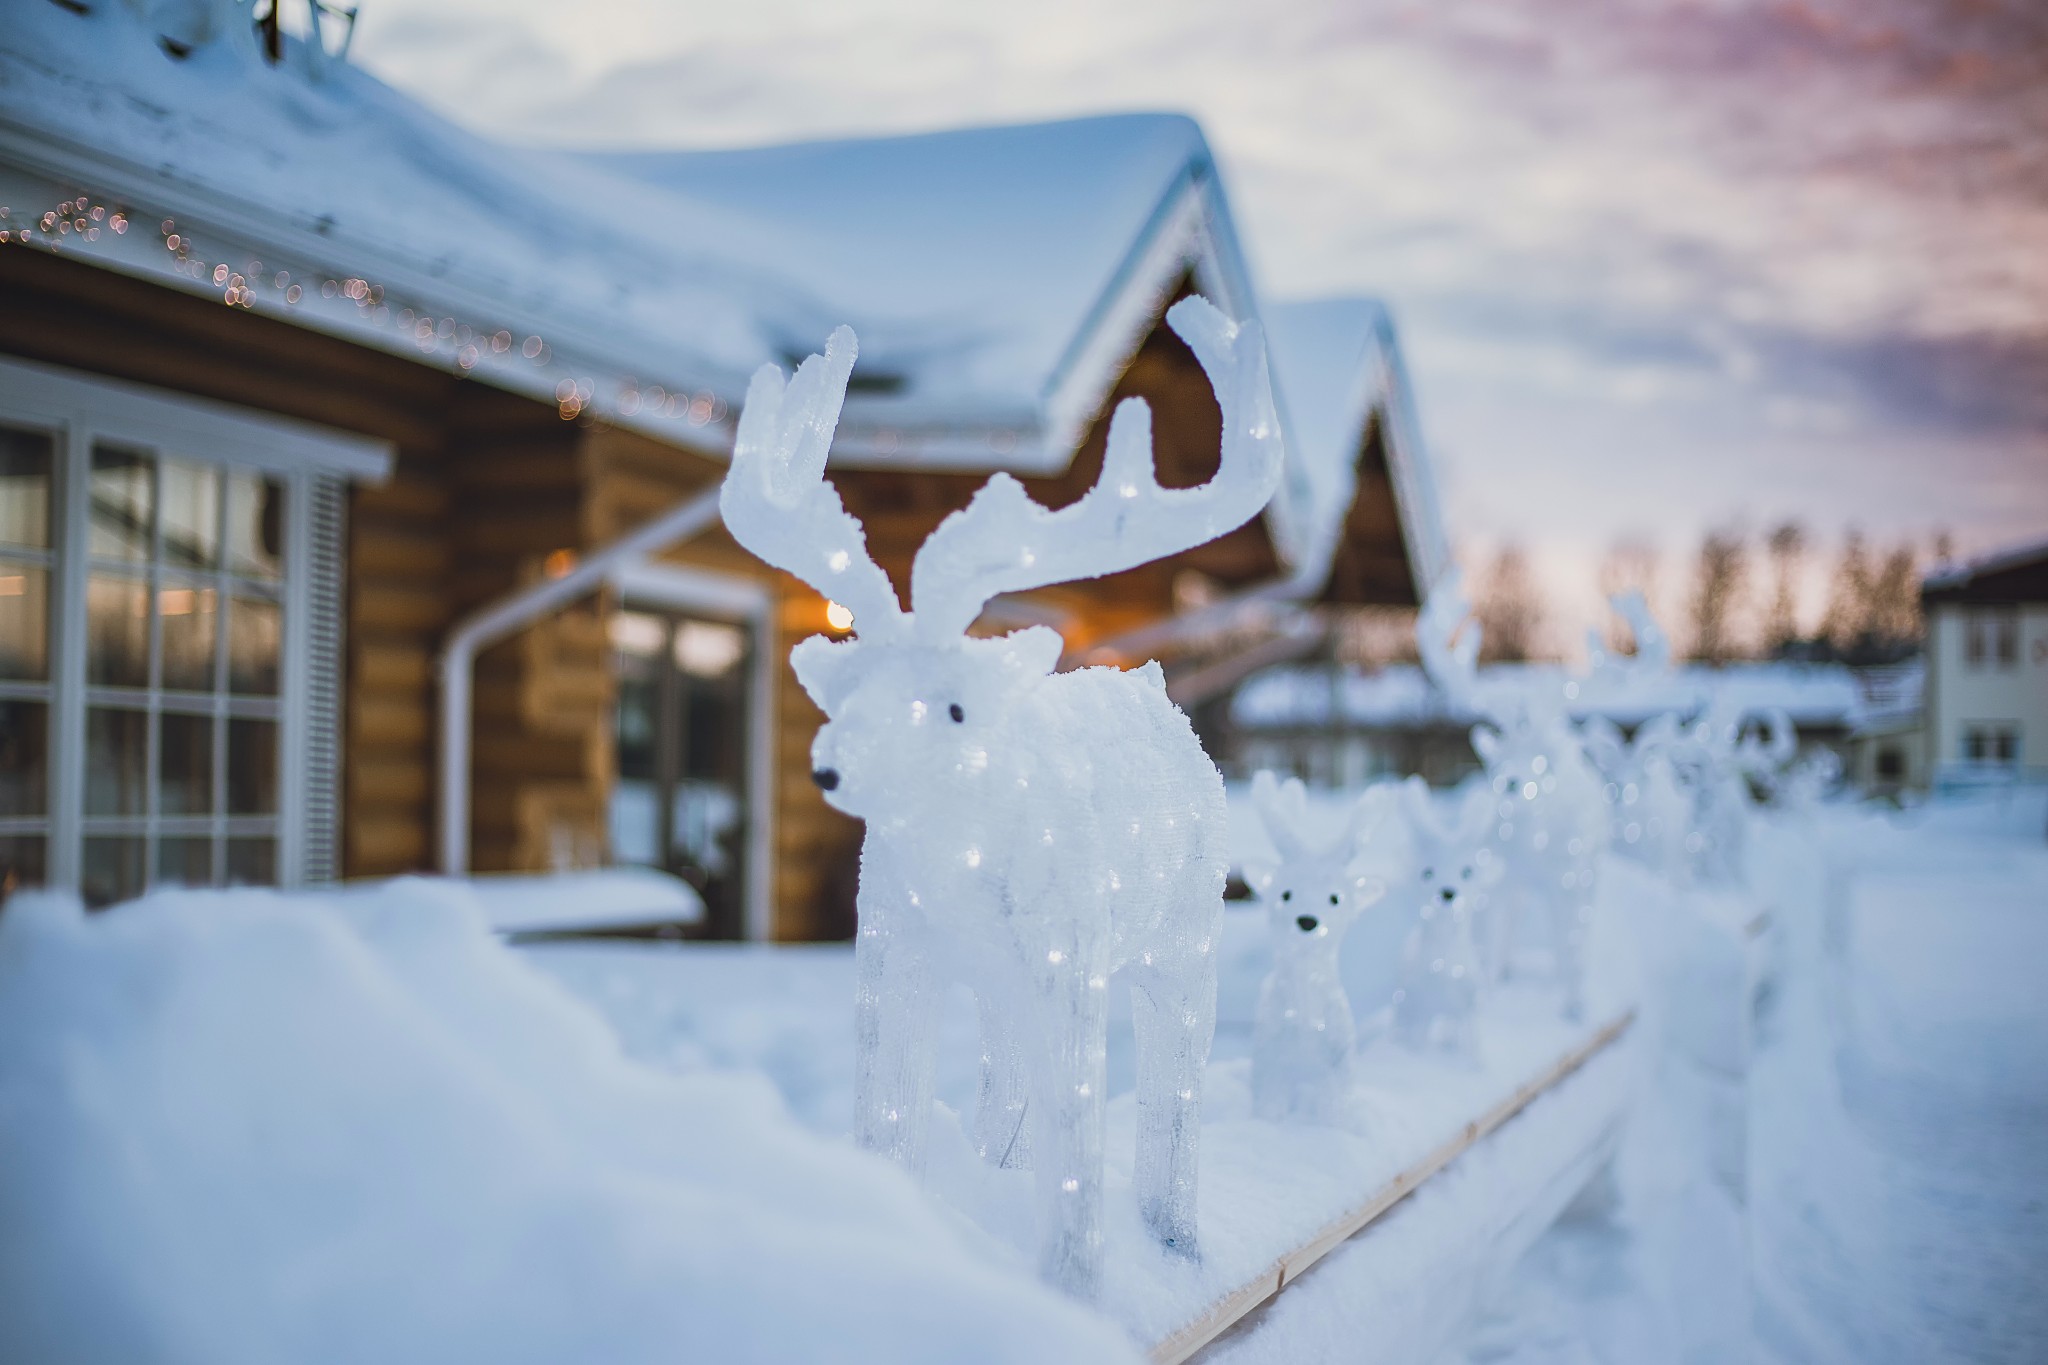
{"x":1303,"y":1036}
{"x":1450,"y":868}
{"x":1550,"y":804}
{"x":1028,"y":832}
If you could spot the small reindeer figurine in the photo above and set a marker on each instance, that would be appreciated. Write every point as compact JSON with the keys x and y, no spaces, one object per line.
{"x":1550,"y":804}
{"x":1650,"y":810}
{"x":1451,"y":867}
{"x":1028,"y":832}
{"x":1304,"y":1035}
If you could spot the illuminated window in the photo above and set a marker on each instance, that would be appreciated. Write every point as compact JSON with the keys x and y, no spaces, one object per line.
{"x":169,"y":641}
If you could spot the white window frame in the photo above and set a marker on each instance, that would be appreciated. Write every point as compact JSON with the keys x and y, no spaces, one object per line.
{"x":313,"y":463}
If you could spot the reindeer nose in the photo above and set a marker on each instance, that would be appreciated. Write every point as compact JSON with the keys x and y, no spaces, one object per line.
{"x":1307,"y":923}
{"x":1449,"y":894}
{"x":826,"y":778}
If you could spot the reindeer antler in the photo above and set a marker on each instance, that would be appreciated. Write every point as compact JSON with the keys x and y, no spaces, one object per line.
{"x":1450,"y":660}
{"x":776,"y":502}
{"x":1005,"y":542}
{"x":1653,"y":646}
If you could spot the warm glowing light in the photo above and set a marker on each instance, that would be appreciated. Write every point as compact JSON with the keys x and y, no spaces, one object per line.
{"x":13,"y":586}
{"x":558,"y":563}
{"x":838,"y":617}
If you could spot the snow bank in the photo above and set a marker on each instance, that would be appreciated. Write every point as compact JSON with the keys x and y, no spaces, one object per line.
{"x":240,"y":1127}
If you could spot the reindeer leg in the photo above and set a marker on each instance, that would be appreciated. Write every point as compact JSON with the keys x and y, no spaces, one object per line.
{"x":1173,"y":1012}
{"x":895,"y":1017}
{"x":1001,"y":1133}
{"x":1071,"y":1005}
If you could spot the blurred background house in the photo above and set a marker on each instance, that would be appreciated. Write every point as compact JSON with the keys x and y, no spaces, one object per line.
{"x":1987,"y":667}
{"x":299,"y":377}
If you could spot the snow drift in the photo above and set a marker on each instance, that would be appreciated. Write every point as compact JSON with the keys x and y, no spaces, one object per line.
{"x":242,"y":1127}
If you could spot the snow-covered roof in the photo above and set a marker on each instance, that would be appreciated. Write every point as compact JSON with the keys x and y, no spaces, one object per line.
{"x":1336,"y":364}
{"x":999,"y":278}
{"x":1951,"y":576}
{"x":326,"y":177}
{"x":1401,"y":696}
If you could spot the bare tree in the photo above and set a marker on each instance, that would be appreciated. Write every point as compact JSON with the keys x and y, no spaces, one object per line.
{"x":1718,"y":586}
{"x":1894,"y":626}
{"x":1631,"y":564}
{"x":1787,"y":545}
{"x":1507,"y":608}
{"x":1848,"y":615}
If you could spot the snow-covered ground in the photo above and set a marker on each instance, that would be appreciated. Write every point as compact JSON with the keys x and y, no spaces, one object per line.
{"x":1897,"y":1202}
{"x":178,"y":1096}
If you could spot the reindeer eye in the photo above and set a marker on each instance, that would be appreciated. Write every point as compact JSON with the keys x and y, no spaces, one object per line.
{"x":1286,"y":895}
{"x":1429,"y":874}
{"x":1333,"y":898}
{"x":1466,"y":874}
{"x":956,"y":713}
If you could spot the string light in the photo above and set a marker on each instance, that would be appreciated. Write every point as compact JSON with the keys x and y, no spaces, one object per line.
{"x":464,"y":344}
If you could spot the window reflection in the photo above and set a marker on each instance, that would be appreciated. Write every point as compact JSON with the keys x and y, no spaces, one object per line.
{"x":191,"y":514}
{"x":252,"y":767}
{"x":112,"y":869}
{"x":252,"y":862}
{"x":24,"y":757}
{"x":116,"y":757}
{"x":25,"y":464}
{"x":188,"y":617}
{"x":123,"y":502}
{"x":255,"y":637}
{"x":184,"y":862}
{"x":116,"y":631}
{"x":21,"y":862}
{"x":184,"y":765}
{"x":255,"y":526}
{"x":24,"y":622}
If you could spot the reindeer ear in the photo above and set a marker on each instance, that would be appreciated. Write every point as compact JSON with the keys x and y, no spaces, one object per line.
{"x":1486,"y":742}
{"x":827,"y":668}
{"x":1259,"y":876}
{"x":1280,"y":806}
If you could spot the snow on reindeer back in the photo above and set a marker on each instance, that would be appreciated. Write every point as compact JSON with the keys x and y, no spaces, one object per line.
{"x":242,"y":1127}
{"x":1029,"y":832}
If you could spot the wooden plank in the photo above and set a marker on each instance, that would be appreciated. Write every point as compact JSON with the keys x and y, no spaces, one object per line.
{"x":1220,"y":1317}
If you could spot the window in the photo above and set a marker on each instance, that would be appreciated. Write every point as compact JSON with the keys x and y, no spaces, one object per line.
{"x":1996,"y":743}
{"x":169,"y":639}
{"x":1891,"y":763}
{"x":1991,"y":637}
{"x":680,"y":798}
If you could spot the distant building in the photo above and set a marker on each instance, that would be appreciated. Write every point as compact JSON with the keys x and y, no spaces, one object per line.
{"x":297,"y":376}
{"x":1339,"y":727}
{"x":1987,"y":666}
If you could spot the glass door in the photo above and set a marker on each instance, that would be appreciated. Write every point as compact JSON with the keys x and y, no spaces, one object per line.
{"x":679,"y":796}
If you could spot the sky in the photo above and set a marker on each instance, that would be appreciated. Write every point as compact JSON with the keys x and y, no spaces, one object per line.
{"x":1659,"y":266}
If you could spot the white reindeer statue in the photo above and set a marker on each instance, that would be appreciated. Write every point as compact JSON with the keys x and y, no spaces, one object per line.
{"x":1028,"y":832}
{"x":1303,"y":1036}
{"x":1451,"y":869}
{"x":1651,"y":810}
{"x":1550,"y":803}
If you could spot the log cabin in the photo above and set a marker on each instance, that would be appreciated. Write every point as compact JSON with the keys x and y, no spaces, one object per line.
{"x":297,"y":376}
